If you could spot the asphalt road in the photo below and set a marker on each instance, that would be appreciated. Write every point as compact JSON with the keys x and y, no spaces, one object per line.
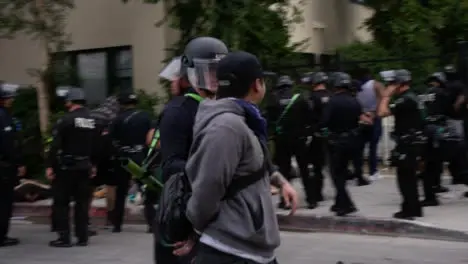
{"x":134,"y":246}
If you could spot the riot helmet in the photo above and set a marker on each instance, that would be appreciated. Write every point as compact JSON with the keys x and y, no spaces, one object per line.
{"x":8,"y":90}
{"x":76,"y":95}
{"x":284,"y":81}
{"x":341,"y":80}
{"x":127,"y":98}
{"x":200,"y":59}
{"x":314,"y":78}
{"x":438,"y":77}
{"x":402,"y":76}
{"x":450,"y":72}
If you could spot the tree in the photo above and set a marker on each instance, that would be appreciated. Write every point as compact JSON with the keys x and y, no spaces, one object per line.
{"x":44,"y":21}
{"x":415,"y":27}
{"x":261,"y":27}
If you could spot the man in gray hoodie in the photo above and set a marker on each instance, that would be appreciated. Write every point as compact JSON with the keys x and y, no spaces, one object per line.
{"x":229,"y":145}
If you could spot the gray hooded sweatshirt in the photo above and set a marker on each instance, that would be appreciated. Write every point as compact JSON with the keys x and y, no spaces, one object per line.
{"x":222,"y":149}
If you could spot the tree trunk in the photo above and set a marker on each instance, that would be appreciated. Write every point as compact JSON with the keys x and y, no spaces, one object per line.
{"x":42,"y":85}
{"x":43,"y":104}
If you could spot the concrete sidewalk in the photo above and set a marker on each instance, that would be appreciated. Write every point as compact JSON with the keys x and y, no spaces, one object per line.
{"x":376,"y":203}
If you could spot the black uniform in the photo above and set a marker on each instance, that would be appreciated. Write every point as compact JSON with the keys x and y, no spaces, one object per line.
{"x":128,"y":133}
{"x":458,"y":167}
{"x":409,"y":126}
{"x":320,"y":99}
{"x":341,"y":119}
{"x":175,"y":126}
{"x":436,"y":101}
{"x":291,"y":131}
{"x":73,"y":159}
{"x":10,"y":158}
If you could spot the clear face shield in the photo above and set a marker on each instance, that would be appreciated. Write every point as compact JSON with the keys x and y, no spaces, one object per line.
{"x":203,"y":74}
{"x":172,"y":70}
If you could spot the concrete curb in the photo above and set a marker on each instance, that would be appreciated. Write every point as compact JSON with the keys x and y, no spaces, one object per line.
{"x":297,"y":223}
{"x":368,"y":226}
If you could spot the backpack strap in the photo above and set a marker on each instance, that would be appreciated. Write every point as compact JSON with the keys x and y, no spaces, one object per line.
{"x":241,"y":182}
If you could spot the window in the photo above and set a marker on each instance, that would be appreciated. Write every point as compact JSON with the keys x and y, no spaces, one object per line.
{"x":100,"y":72}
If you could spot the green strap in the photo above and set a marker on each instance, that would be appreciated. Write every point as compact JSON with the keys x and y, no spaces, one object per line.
{"x":285,"y":111}
{"x":154,"y":141}
{"x":196,"y":97}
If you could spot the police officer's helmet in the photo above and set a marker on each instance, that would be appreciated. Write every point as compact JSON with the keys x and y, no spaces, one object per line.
{"x":342,"y":80}
{"x":200,"y":59}
{"x":402,"y":76}
{"x":314,"y":78}
{"x":450,"y":69}
{"x":75,"y":95}
{"x":127,"y":98}
{"x":284,"y":81}
{"x":8,"y":90}
{"x":439,"y":77}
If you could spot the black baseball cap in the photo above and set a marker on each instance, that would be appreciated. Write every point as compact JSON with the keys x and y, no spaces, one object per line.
{"x":238,"y":70}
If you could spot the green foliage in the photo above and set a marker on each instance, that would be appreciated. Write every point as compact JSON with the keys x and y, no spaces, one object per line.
{"x":25,"y":110}
{"x":43,"y":20}
{"x":257,"y":26}
{"x":148,"y":102}
{"x":405,"y":31}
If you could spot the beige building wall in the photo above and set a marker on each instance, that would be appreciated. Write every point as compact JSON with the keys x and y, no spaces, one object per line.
{"x":328,"y":24}
{"x":99,"y":24}
{"x":109,"y":23}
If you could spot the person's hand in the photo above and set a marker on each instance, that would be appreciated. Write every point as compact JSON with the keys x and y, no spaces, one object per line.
{"x":50,"y":174}
{"x":290,"y":197}
{"x":93,"y":172}
{"x":183,"y":248}
{"x":21,"y":171}
{"x":366,"y":119}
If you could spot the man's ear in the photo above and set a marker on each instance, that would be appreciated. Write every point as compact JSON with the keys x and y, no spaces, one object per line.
{"x":257,"y":85}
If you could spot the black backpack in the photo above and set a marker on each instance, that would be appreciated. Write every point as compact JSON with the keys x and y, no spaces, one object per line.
{"x":173,"y":223}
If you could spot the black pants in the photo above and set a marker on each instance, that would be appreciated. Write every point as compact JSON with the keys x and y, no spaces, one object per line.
{"x":7,"y":187}
{"x":72,"y":184}
{"x":209,"y":255}
{"x":151,"y":199}
{"x":53,"y":208}
{"x":317,"y":159}
{"x":407,"y":180}
{"x":432,"y":170}
{"x":285,"y":148}
{"x":340,"y":156}
{"x":122,"y":185}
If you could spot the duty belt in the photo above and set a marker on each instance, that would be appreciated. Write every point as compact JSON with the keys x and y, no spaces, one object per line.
{"x":412,"y":138}
{"x":131,"y":149}
{"x":437,"y":120}
{"x":74,"y":157}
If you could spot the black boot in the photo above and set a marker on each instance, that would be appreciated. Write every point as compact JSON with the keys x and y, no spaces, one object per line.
{"x":62,"y":242}
{"x":8,"y":242}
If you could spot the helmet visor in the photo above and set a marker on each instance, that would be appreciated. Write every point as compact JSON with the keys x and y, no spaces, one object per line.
{"x":172,"y":70}
{"x":203,"y":74}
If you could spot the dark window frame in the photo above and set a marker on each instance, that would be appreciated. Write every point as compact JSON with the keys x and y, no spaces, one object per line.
{"x":112,"y":69}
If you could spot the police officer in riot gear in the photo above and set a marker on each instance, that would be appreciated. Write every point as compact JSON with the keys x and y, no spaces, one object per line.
{"x":409,"y":137}
{"x":70,"y":165}
{"x":437,"y":102}
{"x":456,"y":90}
{"x":128,"y":133}
{"x":200,"y":59}
{"x":319,"y":96}
{"x":290,"y":113}
{"x":10,"y":162}
{"x":341,"y":123}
